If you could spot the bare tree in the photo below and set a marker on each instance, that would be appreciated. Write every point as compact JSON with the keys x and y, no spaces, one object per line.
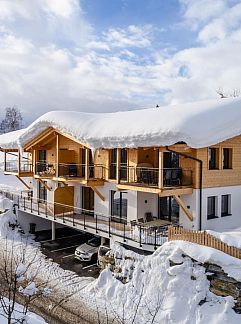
{"x":12,"y":121}
{"x":232,"y":94}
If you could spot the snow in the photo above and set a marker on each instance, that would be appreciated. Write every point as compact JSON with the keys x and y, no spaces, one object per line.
{"x":178,"y":294}
{"x":198,"y":124}
{"x":232,"y":238}
{"x":30,"y":318}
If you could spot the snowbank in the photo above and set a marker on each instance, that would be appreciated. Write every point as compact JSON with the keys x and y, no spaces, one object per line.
{"x":175,"y":292}
{"x":232,"y":238}
{"x":199,"y":124}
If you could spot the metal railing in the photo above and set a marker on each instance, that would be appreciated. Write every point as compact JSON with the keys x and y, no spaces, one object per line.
{"x":12,"y":166}
{"x":95,"y":222}
{"x":146,"y":176}
{"x":69,"y":170}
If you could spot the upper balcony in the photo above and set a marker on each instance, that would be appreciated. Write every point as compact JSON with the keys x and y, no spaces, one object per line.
{"x":20,"y":169}
{"x":72,"y":172}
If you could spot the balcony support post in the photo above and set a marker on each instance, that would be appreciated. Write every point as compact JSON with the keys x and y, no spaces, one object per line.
{"x":160,"y":169}
{"x":53,"y":231}
{"x":87,"y":162}
{"x":118,"y":160}
{"x":57,"y":155}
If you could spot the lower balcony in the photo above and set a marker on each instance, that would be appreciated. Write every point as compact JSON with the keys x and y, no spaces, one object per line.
{"x":147,"y":236}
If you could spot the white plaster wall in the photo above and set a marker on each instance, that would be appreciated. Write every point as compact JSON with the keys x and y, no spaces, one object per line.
{"x":147,"y":203}
{"x":227,"y":222}
{"x":25,"y":219}
{"x":191,"y":201}
{"x":103,"y":207}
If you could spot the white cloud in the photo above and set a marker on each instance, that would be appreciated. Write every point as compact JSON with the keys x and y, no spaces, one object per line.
{"x":112,"y":71}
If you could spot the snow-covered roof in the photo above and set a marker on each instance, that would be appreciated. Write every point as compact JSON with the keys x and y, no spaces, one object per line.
{"x":199,"y":124}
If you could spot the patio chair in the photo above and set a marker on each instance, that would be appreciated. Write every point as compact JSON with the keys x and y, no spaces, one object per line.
{"x":176,"y":176}
{"x":148,"y":217}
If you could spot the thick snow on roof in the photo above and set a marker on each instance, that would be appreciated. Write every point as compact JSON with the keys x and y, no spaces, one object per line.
{"x":199,"y":124}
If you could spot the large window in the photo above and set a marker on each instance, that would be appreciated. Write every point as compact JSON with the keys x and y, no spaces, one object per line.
{"x":118,"y":206}
{"x":42,"y":191}
{"x":226,"y":205}
{"x":227,"y":158}
{"x":212,"y":207}
{"x":213,"y":158}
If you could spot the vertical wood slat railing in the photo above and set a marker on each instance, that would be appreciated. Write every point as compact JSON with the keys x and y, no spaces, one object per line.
{"x":202,"y":238}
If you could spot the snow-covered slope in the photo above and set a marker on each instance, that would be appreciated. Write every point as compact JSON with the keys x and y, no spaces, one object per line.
{"x":199,"y":124}
{"x":166,"y":287}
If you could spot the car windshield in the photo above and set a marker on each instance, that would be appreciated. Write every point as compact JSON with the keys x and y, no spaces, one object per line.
{"x":95,"y":241}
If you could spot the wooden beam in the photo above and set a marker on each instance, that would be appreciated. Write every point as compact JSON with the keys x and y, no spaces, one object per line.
{"x":5,"y":160}
{"x":87,"y":161}
{"x":39,"y":138}
{"x":184,"y":207}
{"x":160,"y":175}
{"x":19,"y":162}
{"x":118,"y":160}
{"x":176,"y":191}
{"x":44,"y":184}
{"x":57,"y":155}
{"x":98,"y":193}
{"x":23,"y":182}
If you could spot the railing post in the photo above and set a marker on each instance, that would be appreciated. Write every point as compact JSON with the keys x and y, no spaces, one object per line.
{"x":18,"y":202}
{"x":124,"y":231}
{"x":84,"y":220}
{"x":140,"y":235}
{"x":109,"y":226}
{"x":24,"y":207}
{"x":155,"y":240}
{"x":38,"y":208}
{"x":96,"y":223}
{"x":73,"y":219}
{"x":63,"y":216}
{"x":46,"y":209}
{"x":31,"y":205}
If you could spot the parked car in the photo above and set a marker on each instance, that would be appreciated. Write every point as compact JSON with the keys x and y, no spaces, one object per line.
{"x":88,"y":251}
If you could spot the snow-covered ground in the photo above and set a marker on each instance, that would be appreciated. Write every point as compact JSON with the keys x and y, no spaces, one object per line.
{"x":165,"y":293}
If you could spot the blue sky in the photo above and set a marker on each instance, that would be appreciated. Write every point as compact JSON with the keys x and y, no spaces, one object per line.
{"x":110,"y":55}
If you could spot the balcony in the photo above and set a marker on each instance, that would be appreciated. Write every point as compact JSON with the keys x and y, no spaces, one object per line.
{"x":22,"y":169}
{"x":151,"y":178}
{"x":69,"y":171}
{"x":147,"y":236}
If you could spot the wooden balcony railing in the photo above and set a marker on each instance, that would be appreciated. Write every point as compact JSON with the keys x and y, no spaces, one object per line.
{"x":146,"y":176}
{"x":13,"y":166}
{"x":69,"y":170}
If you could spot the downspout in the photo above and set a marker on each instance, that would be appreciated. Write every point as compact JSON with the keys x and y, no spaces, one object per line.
{"x":200,"y":180}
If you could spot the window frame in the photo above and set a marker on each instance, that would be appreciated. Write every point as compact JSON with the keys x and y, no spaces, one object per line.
{"x":227,"y":211}
{"x":230,"y":158}
{"x":217,"y":158}
{"x":213,"y":215}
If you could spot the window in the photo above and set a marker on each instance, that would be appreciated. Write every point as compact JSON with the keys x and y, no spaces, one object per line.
{"x":118,"y":206}
{"x":42,"y":191}
{"x":227,"y":158}
{"x":226,"y":205}
{"x":213,"y":158}
{"x":212,"y":207}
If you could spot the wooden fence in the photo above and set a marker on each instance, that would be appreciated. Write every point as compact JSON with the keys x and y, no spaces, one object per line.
{"x":202,"y":238}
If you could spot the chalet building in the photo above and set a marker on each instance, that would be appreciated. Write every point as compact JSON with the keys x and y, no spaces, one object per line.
{"x":126,"y":176}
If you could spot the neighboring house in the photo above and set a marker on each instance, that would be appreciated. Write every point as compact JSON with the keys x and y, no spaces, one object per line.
{"x":126,"y":176}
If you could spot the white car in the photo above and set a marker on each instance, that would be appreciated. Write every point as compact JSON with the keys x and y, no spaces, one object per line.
{"x":88,"y":251}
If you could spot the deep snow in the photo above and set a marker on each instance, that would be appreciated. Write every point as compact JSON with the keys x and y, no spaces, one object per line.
{"x":199,"y":124}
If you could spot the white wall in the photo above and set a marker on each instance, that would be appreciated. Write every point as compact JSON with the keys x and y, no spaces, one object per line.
{"x":191,"y":201}
{"x":227,"y":222}
{"x":147,"y":203}
{"x":103,"y":207}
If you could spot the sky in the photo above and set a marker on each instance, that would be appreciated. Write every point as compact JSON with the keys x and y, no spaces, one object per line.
{"x":111,"y":55}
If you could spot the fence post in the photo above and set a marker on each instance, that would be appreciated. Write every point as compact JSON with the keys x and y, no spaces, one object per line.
{"x":140,"y":235}
{"x":96,"y":223}
{"x":124,"y":231}
{"x":63,"y":216}
{"x":155,"y":240}
{"x":109,"y":226}
{"x":46,"y":209}
{"x":84,"y":220}
{"x":73,"y":219}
